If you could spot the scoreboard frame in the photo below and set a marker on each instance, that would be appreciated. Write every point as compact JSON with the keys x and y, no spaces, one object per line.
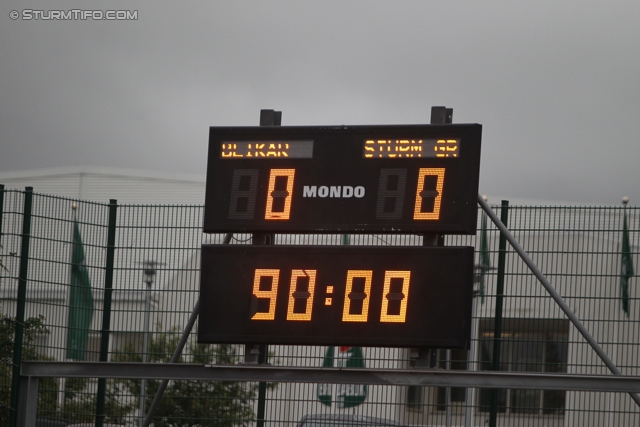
{"x":343,"y":179}
{"x":337,"y":295}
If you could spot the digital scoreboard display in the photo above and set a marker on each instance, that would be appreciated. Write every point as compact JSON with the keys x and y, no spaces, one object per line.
{"x":336,"y":179}
{"x":336,"y":295}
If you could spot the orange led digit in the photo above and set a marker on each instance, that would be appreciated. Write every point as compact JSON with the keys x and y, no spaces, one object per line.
{"x":263,"y":294}
{"x":279,"y":194}
{"x":394,"y":301}
{"x":429,"y":194}
{"x":356,"y":296}
{"x":301,"y":299}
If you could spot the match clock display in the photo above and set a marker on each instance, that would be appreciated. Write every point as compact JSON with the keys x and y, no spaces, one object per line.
{"x":336,"y":295}
{"x":391,"y":179}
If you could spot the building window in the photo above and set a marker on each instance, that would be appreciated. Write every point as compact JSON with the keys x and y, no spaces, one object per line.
{"x":41,"y":342}
{"x":92,"y":354}
{"x":414,"y":397}
{"x":527,"y":345}
{"x":126,"y":342}
{"x":458,"y":362}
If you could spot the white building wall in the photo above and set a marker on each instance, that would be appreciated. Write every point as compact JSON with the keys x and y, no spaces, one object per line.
{"x":102,"y":184}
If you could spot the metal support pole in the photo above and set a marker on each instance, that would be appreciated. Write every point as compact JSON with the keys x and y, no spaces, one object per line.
{"x":178,"y":351}
{"x":1,"y":210}
{"x":497,"y":327}
{"x":28,"y":408}
{"x":106,"y":314}
{"x":174,"y":359}
{"x":259,"y":354}
{"x":427,"y":357}
{"x":20,"y":310}
{"x":145,"y":349}
{"x":554,"y":294}
{"x":447,"y":391}
{"x":469,"y":393}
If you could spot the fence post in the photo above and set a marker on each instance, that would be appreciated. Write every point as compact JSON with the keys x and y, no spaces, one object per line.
{"x":1,"y":216}
{"x":106,"y":313}
{"x":176,"y":354}
{"x":497,"y":327}
{"x":28,"y":406}
{"x":20,"y":309}
{"x":1,"y":209}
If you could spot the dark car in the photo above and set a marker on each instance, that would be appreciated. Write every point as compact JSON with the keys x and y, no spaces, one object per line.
{"x":335,"y":420}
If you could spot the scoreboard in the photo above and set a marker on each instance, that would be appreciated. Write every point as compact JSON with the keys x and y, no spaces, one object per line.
{"x":337,"y":295}
{"x":340,"y":179}
{"x":343,"y":179}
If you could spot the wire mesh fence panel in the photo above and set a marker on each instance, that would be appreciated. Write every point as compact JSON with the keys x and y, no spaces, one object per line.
{"x":150,"y":290}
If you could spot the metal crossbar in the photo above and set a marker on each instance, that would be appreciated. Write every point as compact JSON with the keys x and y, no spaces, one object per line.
{"x":406,"y":377}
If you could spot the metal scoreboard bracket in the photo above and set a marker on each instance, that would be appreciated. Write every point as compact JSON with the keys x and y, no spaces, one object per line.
{"x":343,"y":179}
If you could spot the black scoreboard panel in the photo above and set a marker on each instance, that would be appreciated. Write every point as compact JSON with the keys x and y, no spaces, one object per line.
{"x":312,"y":179}
{"x":336,"y":295}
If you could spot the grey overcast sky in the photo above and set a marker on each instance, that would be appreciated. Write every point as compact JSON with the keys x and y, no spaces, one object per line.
{"x":555,"y":84}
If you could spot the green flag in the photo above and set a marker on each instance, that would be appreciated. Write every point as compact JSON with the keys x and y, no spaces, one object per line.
{"x":485,"y":260}
{"x":80,"y":301}
{"x":626,"y":271}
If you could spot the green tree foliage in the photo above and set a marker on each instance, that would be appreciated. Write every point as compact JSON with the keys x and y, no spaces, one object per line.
{"x":80,"y":402}
{"x":80,"y":397}
{"x":79,"y":405}
{"x":2,"y":266}
{"x":194,"y":403}
{"x":33,"y":327}
{"x":185,"y":403}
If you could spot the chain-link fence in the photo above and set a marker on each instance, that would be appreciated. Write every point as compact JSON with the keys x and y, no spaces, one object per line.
{"x":88,"y":281}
